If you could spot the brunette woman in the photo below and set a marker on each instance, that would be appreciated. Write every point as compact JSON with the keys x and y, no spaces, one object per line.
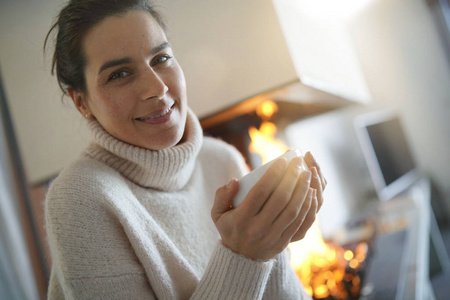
{"x":144,"y":212}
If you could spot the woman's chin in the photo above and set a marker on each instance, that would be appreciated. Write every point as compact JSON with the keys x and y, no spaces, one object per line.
{"x":166,"y":142}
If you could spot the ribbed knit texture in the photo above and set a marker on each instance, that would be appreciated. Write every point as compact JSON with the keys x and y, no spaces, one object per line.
{"x":124,"y":222}
{"x":168,"y":169}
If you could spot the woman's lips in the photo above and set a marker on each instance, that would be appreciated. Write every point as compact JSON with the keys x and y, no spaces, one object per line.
{"x":158,"y":117}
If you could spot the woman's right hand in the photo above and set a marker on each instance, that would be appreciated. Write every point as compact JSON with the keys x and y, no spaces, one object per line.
{"x":280,"y":205}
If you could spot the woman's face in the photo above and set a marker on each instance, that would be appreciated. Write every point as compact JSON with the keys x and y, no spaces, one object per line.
{"x":135,"y":86}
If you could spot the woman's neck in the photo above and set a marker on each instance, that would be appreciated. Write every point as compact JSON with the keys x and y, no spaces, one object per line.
{"x":168,"y":169}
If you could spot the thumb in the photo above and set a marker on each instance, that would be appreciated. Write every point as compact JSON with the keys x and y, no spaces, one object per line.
{"x":224,"y":199}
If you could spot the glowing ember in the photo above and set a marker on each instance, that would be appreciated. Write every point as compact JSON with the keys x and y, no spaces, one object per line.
{"x":326,"y":270}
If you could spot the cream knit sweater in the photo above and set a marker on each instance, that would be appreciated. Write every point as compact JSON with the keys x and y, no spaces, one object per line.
{"x":124,"y":222}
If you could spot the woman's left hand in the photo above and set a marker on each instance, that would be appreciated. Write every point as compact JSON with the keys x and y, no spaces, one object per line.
{"x":318,"y":181}
{"x":318,"y":184}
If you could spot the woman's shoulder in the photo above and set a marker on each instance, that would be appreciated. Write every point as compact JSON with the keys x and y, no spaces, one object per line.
{"x":218,"y":149}
{"x":87,"y":192}
{"x":218,"y":146}
{"x":84,"y":178}
{"x":86,"y":170}
{"x":217,"y":153}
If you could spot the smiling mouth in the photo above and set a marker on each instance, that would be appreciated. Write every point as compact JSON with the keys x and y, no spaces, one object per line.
{"x":156,"y":116}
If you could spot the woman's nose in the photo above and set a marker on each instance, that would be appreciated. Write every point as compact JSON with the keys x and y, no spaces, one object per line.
{"x":153,"y":87}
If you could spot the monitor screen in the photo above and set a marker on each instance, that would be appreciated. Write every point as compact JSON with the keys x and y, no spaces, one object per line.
{"x":387,"y":153}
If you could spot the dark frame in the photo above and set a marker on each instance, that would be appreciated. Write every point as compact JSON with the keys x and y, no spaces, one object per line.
{"x":441,"y":13}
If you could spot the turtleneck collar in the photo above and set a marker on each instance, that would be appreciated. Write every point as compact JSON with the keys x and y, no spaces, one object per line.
{"x":168,"y":169}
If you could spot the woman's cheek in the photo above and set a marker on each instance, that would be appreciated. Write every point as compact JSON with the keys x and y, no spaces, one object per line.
{"x":117,"y":103}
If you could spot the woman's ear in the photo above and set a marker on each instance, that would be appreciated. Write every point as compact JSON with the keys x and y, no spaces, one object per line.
{"x":80,"y":102}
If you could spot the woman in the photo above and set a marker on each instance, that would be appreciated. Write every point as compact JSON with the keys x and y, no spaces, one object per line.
{"x":134,"y":216}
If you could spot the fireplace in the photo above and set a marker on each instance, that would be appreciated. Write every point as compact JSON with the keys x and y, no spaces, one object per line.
{"x":327,"y":269}
{"x":281,"y":106}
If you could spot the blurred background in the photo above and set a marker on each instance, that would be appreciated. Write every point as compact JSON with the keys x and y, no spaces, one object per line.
{"x":290,"y":73}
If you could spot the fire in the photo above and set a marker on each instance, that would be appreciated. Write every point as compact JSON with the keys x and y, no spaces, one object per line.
{"x":322,"y":267}
{"x":263,"y":139}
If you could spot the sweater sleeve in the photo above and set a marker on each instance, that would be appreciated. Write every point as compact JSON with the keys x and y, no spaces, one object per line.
{"x":232,"y":276}
{"x":283,"y":282}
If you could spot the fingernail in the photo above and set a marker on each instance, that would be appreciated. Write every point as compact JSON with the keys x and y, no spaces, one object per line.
{"x":311,"y":157}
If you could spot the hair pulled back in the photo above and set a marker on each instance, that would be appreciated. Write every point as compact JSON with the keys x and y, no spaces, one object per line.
{"x":72,"y":24}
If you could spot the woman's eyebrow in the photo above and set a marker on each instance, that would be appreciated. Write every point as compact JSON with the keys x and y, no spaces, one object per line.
{"x":113,"y":63}
{"x":160,"y":47}
{"x":127,"y":60}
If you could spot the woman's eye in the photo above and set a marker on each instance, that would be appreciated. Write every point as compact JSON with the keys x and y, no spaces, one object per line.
{"x":118,"y":74}
{"x":161,"y":59}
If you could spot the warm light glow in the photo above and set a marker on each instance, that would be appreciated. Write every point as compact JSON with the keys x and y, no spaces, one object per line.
{"x":331,"y":283}
{"x":321,"y":291}
{"x":348,"y":255}
{"x":361,"y":257}
{"x":353,"y":263}
{"x":311,"y":245}
{"x":320,"y":266}
{"x":356,"y":281}
{"x":264,"y":138}
{"x":264,"y":141}
{"x":267,"y":109}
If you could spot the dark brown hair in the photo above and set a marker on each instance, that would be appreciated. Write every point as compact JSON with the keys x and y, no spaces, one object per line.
{"x":72,"y":24}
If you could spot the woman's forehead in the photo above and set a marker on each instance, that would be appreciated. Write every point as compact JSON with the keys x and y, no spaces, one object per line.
{"x":133,"y":33}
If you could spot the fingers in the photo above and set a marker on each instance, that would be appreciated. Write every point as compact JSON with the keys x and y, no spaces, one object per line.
{"x":296,"y":202}
{"x":223,"y":199}
{"x":311,"y":162}
{"x":279,"y":209}
{"x":282,"y":195}
{"x":300,"y":218}
{"x":261,"y":191}
{"x":308,"y":220}
{"x":316,"y":183}
{"x":293,"y":215}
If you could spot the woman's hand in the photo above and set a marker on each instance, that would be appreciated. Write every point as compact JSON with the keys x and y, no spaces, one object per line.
{"x":318,"y":181}
{"x":279,"y":207}
{"x":318,"y":184}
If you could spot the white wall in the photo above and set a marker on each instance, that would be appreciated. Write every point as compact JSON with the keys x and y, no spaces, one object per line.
{"x":50,"y":133}
{"x":407,"y":70}
{"x":229,"y":50}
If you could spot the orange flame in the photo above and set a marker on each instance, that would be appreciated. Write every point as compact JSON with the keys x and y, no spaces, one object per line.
{"x":320,"y":266}
{"x":264,"y":142}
